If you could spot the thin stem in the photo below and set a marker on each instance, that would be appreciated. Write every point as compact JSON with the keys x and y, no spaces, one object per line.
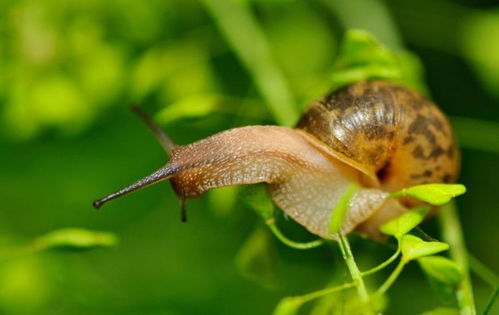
{"x":382,"y":265}
{"x":452,"y":234}
{"x":491,"y":301}
{"x":483,"y":271}
{"x":290,"y":243}
{"x":242,"y":32}
{"x":346,"y":252}
{"x":320,"y":293}
{"x":391,"y":279}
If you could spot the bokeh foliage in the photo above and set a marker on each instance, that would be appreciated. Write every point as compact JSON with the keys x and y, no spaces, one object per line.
{"x":68,"y":70}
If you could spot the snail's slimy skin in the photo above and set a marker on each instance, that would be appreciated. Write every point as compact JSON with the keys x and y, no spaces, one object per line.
{"x":380,"y":136}
{"x":304,"y":181}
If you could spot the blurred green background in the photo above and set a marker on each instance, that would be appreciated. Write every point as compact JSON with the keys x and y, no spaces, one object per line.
{"x":68,"y":69}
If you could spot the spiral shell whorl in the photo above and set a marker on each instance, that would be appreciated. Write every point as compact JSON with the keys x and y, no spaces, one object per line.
{"x":386,"y":131}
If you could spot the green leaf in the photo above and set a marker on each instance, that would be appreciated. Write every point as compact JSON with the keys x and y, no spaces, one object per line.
{"x":288,"y":306}
{"x":435,"y":194}
{"x":255,"y":258}
{"x":441,"y":268}
{"x":75,"y":239}
{"x":404,"y":223}
{"x":446,"y":293}
{"x":413,"y":247}
{"x":443,"y":311}
{"x":362,"y":57}
{"x":341,"y":208}
{"x":223,"y":199}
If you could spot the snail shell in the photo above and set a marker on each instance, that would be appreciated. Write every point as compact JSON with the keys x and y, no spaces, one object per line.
{"x":380,"y":136}
{"x":394,"y":136}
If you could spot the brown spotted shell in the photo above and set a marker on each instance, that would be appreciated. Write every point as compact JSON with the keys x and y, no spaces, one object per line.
{"x":394,"y":136}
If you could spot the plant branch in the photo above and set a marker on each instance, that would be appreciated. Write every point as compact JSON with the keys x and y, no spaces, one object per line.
{"x":298,"y":245}
{"x":391,"y":279}
{"x":483,"y":271}
{"x":346,"y":252}
{"x":382,"y":265}
{"x":242,"y":32}
{"x":452,"y":234}
{"x":491,"y":301}
{"x":318,"y":294}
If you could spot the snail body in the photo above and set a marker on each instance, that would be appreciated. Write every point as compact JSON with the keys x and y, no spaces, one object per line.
{"x":375,"y":134}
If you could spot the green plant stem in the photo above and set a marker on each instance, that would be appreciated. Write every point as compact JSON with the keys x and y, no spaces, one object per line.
{"x":452,"y":234}
{"x":482,"y":271}
{"x":242,"y":32}
{"x":391,"y":279}
{"x":346,"y":252}
{"x":341,"y":208}
{"x":298,"y":245}
{"x":320,"y":293}
{"x":491,"y":301}
{"x":382,"y":265}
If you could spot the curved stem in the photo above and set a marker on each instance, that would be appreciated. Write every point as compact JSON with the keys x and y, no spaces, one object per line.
{"x":318,"y":294}
{"x":382,"y":265}
{"x":391,"y":279}
{"x":483,"y":272}
{"x":452,"y":234}
{"x":308,"y":245}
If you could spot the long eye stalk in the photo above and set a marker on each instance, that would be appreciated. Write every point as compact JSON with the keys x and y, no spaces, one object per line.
{"x":159,"y":175}
{"x":163,"y":138}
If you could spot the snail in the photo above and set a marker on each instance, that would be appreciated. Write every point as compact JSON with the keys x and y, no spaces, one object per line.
{"x":378,"y":135}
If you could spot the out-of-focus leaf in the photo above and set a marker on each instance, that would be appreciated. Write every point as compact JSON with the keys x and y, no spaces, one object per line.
{"x":26,"y":285}
{"x":75,"y":239}
{"x":401,"y":225}
{"x":435,"y":194}
{"x":443,"y":311}
{"x":446,"y":293}
{"x":195,"y":106}
{"x":477,"y":134}
{"x":255,"y":259}
{"x":223,"y":200}
{"x":288,"y":306}
{"x":58,"y":101}
{"x":290,"y":40}
{"x":413,"y":247}
{"x":362,"y":57}
{"x":444,"y":276}
{"x":101,"y":73}
{"x":441,"y":268}
{"x":479,"y":31}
